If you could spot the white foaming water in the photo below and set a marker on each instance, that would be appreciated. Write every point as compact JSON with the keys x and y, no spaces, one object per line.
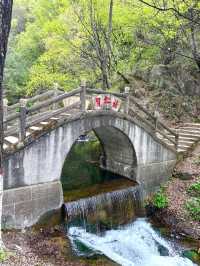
{"x":136,"y":244}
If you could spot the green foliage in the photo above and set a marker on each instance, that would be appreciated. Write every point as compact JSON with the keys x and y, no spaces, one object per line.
{"x":193,"y":207}
{"x":197,"y":161}
{"x":193,"y":255}
{"x":194,"y":189}
{"x":160,"y":199}
{"x":53,"y":41}
{"x":3,"y":255}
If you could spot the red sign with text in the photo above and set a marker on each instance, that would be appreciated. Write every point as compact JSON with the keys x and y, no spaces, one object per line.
{"x":106,"y":102}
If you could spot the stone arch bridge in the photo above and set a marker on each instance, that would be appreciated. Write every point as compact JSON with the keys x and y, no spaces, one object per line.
{"x":39,"y":133}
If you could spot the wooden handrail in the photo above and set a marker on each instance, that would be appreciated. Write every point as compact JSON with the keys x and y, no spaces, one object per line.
{"x":168,"y":129}
{"x":37,"y":107}
{"x":52,"y":100}
{"x":142,"y":118}
{"x":12,"y":117}
{"x":50,"y":115}
{"x":35,"y":98}
{"x":141,"y":108}
{"x":95,"y":91}
{"x":159,"y":123}
{"x":15,"y":129}
{"x":152,"y":126}
{"x":13,"y":107}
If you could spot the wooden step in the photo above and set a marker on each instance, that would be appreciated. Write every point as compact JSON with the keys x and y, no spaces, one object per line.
{"x":184,"y":146}
{"x":44,"y":123}
{"x":54,"y":118}
{"x":195,"y":132}
{"x":35,"y":128}
{"x":192,"y":139}
{"x":5,"y":146}
{"x":186,"y":135}
{"x":192,"y":124}
{"x":190,"y":128}
{"x":65,"y":114}
{"x":181,"y":150}
{"x":12,"y":140}
{"x":194,"y":136}
{"x":185,"y":142}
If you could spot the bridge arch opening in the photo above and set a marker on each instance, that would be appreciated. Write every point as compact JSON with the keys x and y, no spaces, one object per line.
{"x":99,"y":156}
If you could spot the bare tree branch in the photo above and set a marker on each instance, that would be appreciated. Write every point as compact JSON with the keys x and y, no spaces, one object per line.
{"x":173,"y":9}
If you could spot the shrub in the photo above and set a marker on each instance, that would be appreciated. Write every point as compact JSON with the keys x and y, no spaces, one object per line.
{"x":193,"y":207}
{"x":3,"y":255}
{"x":194,"y":189}
{"x":160,"y":199}
{"x":197,"y":161}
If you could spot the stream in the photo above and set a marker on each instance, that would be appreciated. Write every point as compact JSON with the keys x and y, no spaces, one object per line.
{"x":104,"y":216}
{"x":135,"y":244}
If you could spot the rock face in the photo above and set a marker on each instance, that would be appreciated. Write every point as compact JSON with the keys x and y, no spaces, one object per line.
{"x":183,"y":175}
{"x":183,"y":228}
{"x":175,"y":78}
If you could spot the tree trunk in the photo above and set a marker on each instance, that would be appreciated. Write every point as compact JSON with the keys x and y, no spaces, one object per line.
{"x":109,"y":34}
{"x":195,"y":52}
{"x":5,"y":23}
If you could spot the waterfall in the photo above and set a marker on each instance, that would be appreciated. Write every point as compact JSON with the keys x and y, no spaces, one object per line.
{"x":122,"y":205}
{"x":124,"y":238}
{"x":136,"y":244}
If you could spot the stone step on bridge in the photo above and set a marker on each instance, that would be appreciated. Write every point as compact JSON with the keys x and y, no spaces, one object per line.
{"x":40,"y":131}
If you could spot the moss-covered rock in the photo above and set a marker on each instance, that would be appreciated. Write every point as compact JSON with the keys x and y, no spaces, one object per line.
{"x":193,"y":255}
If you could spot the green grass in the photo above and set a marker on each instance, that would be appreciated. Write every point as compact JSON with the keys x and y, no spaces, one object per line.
{"x":160,"y":199}
{"x":4,"y":255}
{"x":193,"y":208}
{"x":194,"y":189}
{"x":197,"y":161}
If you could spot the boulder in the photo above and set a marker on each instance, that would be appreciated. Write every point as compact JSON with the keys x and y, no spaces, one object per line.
{"x":175,"y":78}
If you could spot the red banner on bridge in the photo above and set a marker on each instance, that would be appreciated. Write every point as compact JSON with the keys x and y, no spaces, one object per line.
{"x":106,"y":102}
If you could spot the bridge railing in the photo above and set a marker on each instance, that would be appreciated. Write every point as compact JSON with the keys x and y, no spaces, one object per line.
{"x":153,"y":122}
{"x":11,"y":112}
{"x":24,"y":115}
{"x":32,"y":100}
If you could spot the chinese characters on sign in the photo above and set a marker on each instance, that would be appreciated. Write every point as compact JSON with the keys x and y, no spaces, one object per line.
{"x":106,"y":102}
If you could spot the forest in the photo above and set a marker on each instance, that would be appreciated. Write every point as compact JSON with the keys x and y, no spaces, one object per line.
{"x":109,"y":43}
{"x":99,"y":132}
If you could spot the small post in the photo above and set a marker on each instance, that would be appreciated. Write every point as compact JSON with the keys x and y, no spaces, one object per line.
{"x":22,"y":119}
{"x":156,"y":116}
{"x":5,"y":112}
{"x":126,"y":107}
{"x":55,"y":105}
{"x":83,"y":95}
{"x":176,"y":140}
